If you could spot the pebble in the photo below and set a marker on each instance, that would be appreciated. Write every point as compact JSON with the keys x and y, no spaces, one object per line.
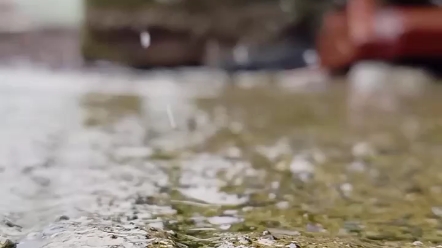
{"x":300,"y":164}
{"x":63,"y":217}
{"x":417,"y":243}
{"x":266,"y":241}
{"x":437,"y":211}
{"x":302,"y":168}
{"x":293,"y":245}
{"x":7,"y":243}
{"x":266,"y":233}
{"x":283,"y":205}
{"x":362,"y":150}
{"x":346,"y":188}
{"x":244,"y":240}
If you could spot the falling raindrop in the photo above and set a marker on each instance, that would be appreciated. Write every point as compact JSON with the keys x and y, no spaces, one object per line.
{"x":171,"y":117}
{"x":241,"y":54}
{"x":310,"y":57}
{"x":145,"y":39}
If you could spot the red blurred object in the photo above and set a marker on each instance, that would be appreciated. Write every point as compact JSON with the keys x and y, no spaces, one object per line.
{"x":366,"y":31}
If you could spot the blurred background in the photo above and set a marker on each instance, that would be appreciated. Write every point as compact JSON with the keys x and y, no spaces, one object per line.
{"x":289,"y":123}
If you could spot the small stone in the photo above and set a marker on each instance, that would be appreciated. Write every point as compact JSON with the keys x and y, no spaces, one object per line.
{"x":362,"y":150}
{"x":283,"y":205}
{"x":7,"y":243}
{"x":63,"y":217}
{"x":157,"y":225}
{"x":266,"y":233}
{"x":244,"y":240}
{"x":437,"y":211}
{"x":226,"y":244}
{"x":300,"y":165}
{"x":266,"y":242}
{"x":293,"y":245}
{"x":346,"y":189}
{"x":113,"y":236}
{"x":417,"y":243}
{"x":302,"y":168}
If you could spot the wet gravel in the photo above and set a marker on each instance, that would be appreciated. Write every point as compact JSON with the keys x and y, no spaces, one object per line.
{"x":56,"y":167}
{"x":83,"y":152}
{"x":109,"y":157}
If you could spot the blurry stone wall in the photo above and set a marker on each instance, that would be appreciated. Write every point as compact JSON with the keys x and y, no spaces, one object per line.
{"x":192,"y":25}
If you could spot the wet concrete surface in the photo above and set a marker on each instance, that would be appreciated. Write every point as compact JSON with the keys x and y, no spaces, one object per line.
{"x":99,"y":157}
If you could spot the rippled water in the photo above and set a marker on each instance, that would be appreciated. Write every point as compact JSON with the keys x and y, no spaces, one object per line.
{"x":191,"y":152}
